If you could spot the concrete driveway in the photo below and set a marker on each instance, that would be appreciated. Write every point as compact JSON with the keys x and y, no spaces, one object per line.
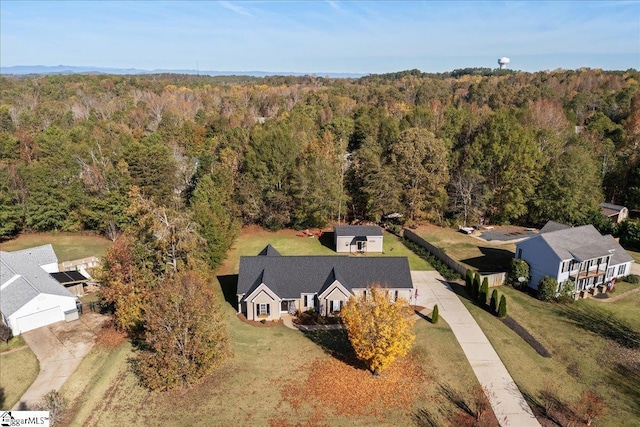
{"x":60,"y":348}
{"x":506,"y":400}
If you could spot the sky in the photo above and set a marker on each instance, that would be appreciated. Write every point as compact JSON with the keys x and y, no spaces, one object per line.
{"x":321,"y":36}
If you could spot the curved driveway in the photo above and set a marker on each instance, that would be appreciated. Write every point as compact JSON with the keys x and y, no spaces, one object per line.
{"x":506,"y":400}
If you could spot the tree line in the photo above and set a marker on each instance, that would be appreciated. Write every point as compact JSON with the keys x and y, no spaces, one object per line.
{"x":509,"y":147}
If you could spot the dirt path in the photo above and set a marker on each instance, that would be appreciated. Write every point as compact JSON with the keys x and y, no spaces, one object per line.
{"x":617,"y":297}
{"x":13,"y":350}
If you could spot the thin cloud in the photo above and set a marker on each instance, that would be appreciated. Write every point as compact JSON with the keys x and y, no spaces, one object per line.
{"x":235,"y":8}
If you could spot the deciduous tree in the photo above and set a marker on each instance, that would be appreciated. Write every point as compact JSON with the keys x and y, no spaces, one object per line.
{"x":380,"y":330}
{"x":185,"y":333}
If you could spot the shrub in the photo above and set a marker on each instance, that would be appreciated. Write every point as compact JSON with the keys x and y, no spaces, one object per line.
{"x":502,"y":308}
{"x":476,"y":287}
{"x":5,"y":332}
{"x":55,"y":404}
{"x":468,"y":281}
{"x":434,"y":314}
{"x":567,"y":289}
{"x":493,"y":305}
{"x":484,"y":291}
{"x":547,"y":289}
{"x":435,"y":262}
{"x":632,"y":278}
{"x":518,"y":274}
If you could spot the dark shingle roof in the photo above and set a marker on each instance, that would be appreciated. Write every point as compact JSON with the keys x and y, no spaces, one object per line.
{"x":358,"y":230}
{"x":269,"y":251}
{"x":290,"y":276}
{"x":611,"y":207}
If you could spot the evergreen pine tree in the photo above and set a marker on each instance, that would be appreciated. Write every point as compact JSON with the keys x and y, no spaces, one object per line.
{"x":493,"y":305}
{"x":484,"y":292}
{"x":434,"y":314}
{"x":502,"y":309}
{"x":476,"y":287}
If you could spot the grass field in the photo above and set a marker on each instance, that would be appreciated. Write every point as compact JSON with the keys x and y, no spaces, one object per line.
{"x":593,"y":345}
{"x":67,"y":246}
{"x":634,"y":255}
{"x":253,"y":239}
{"x":13,"y":343}
{"x":476,"y":253}
{"x":272,"y":380}
{"x":18,"y":369}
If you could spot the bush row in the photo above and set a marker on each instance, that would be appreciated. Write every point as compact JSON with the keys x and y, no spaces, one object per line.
{"x":435,"y":262}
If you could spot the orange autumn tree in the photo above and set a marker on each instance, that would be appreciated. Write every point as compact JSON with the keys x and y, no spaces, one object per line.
{"x":380,"y":330}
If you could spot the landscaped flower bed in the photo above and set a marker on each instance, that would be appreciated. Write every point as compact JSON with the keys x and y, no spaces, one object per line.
{"x":311,"y":317}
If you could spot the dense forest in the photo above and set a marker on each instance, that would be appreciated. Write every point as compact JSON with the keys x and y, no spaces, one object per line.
{"x":88,"y":152}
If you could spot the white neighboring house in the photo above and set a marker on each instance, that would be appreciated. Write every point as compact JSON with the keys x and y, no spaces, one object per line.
{"x":29,"y":297}
{"x":358,"y":238}
{"x":581,"y":254}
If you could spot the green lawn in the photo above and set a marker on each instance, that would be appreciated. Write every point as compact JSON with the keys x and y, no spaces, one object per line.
{"x":469,"y":250}
{"x":253,"y":239}
{"x":18,"y":369}
{"x":594,"y":345}
{"x":67,"y":246}
{"x":13,"y":343}
{"x":253,"y":388}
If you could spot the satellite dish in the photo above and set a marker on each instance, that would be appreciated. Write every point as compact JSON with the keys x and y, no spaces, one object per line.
{"x":503,"y":62}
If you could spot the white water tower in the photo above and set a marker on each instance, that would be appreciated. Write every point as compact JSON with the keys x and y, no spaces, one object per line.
{"x":502,"y":62}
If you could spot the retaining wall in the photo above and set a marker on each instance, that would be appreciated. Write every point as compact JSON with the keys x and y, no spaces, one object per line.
{"x":494,"y":279}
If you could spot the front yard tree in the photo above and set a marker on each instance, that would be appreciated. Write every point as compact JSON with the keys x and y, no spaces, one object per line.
{"x":484,"y":291}
{"x":380,"y":330}
{"x":518,"y":274}
{"x":502,"y":308}
{"x":493,"y":305}
{"x":185,"y":333}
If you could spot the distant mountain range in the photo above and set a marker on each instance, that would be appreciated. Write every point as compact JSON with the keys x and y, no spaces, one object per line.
{"x":71,"y":69}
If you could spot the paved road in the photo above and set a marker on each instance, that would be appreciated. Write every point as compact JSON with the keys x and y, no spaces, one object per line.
{"x":507,"y":402}
{"x":60,"y":348}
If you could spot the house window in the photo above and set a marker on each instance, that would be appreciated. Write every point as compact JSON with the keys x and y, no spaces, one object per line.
{"x":395,"y":295}
{"x":263,"y":310}
{"x":520,"y":253}
{"x":622,"y":269}
{"x":336,"y":305}
{"x":610,"y":272}
{"x":565,"y":266}
{"x":308,"y":301}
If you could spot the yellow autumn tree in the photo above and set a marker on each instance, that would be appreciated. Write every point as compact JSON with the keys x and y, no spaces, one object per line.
{"x":380,"y":330}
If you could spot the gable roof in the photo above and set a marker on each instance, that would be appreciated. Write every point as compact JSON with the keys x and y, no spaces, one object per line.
{"x":609,"y":209}
{"x":551,"y":226}
{"x":269,"y":251}
{"x":580,"y":243}
{"x":290,"y":276}
{"x":22,"y":278}
{"x":357,"y":230}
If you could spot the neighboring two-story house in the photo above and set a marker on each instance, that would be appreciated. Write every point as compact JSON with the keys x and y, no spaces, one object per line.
{"x":580,"y":254}
{"x":270,"y":285}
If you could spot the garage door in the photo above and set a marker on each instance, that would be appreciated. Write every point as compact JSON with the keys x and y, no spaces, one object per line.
{"x":39,"y":319}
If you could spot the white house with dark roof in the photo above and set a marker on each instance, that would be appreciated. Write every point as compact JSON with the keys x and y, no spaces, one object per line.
{"x":270,"y":284}
{"x":358,"y":238}
{"x":580,"y":254}
{"x":29,"y":297}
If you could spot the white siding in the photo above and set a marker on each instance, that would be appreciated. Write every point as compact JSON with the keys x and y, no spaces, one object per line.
{"x":541,"y":259}
{"x":41,"y":311}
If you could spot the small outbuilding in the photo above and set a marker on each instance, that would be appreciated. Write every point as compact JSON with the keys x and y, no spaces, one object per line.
{"x":615,"y":213}
{"x":358,"y":238}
